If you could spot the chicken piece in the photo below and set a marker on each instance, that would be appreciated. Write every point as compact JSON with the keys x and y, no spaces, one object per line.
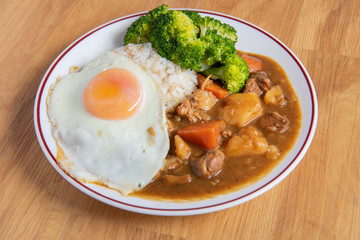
{"x":203,"y":99}
{"x":275,"y":96}
{"x":185,"y":109}
{"x":274,"y":122}
{"x":202,"y":115}
{"x":226,"y":133}
{"x":172,"y":179}
{"x":241,"y":108}
{"x":193,"y":108}
{"x":170,"y":163}
{"x":258,"y":82}
{"x":251,"y":86}
{"x":249,"y":141}
{"x":182,"y":150}
{"x":209,"y":165}
{"x":262,"y":80}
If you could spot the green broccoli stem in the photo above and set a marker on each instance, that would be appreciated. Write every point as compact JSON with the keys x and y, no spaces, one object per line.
{"x":217,"y":72}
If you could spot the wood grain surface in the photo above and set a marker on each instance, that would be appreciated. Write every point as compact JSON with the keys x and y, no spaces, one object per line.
{"x":318,"y":200}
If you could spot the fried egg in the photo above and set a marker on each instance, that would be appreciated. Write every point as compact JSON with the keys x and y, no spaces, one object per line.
{"x":109,"y":123}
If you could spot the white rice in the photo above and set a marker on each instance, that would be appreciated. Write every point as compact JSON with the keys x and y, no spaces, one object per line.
{"x":174,"y":83}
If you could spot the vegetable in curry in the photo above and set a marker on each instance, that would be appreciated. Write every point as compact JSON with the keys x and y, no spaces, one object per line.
{"x":222,"y":141}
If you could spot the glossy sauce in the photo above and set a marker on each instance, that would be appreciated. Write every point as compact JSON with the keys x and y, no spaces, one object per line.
{"x":237,"y":172}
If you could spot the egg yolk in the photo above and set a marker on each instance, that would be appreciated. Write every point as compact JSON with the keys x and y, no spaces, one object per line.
{"x":113,"y":94}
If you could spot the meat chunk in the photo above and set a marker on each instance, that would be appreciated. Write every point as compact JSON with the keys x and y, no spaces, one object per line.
{"x":274,"y":122}
{"x":191,"y":108}
{"x":185,"y":109}
{"x":226,"y":133}
{"x":172,"y":179}
{"x":202,"y":115}
{"x":241,"y":108}
{"x":258,"y":82}
{"x":182,"y":150}
{"x":251,"y":86}
{"x":203,"y":99}
{"x":209,"y":165}
{"x":263,"y":80}
{"x":249,"y":142}
{"x":170,"y":163}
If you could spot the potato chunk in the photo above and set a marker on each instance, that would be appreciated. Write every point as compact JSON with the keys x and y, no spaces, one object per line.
{"x":250,"y":141}
{"x":182,"y":150}
{"x":241,"y":108}
{"x":275,"y":96}
{"x":273,"y":152}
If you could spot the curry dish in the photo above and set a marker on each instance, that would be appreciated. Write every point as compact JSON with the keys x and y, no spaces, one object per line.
{"x":221,"y":142}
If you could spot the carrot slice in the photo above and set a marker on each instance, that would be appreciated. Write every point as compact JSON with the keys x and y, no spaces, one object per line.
{"x":218,"y":91}
{"x":206,"y":135}
{"x":215,"y":88}
{"x":253,"y":63}
{"x":201,"y":79}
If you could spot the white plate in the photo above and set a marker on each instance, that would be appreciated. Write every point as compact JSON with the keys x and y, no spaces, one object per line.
{"x":251,"y":39}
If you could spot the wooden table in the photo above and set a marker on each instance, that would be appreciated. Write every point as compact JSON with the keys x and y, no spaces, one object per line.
{"x":318,"y":200}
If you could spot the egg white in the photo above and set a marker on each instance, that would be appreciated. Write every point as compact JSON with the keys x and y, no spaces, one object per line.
{"x":121,"y":154}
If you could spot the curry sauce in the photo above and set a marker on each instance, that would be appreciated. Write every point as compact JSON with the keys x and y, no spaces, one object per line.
{"x":237,"y":171}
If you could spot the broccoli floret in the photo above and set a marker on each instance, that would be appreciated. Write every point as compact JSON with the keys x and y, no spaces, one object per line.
{"x":233,"y":72}
{"x":175,"y":38}
{"x":189,"y":55}
{"x":138,"y":32}
{"x":158,"y":11}
{"x":193,"y":42}
{"x":217,"y":47}
{"x":207,"y":23}
{"x":192,"y":15}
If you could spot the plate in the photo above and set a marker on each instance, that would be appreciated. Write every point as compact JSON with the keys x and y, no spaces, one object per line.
{"x":254,"y":39}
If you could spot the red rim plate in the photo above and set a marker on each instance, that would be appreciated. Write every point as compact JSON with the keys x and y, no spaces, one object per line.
{"x":185,"y":211}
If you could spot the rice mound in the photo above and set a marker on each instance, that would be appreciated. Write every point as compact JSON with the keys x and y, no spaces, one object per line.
{"x":174,"y":82}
